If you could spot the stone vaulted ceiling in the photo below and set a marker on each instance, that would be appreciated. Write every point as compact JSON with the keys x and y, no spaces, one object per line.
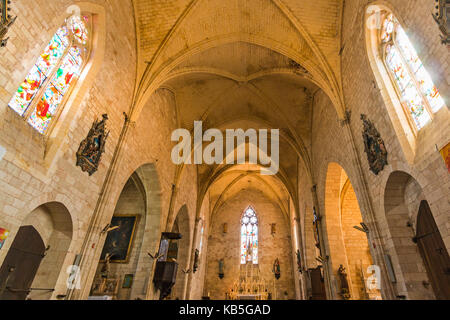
{"x":242,"y":64}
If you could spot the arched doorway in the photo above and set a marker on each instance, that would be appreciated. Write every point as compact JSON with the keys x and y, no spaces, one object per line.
{"x":127,"y":276}
{"x":433,"y":251}
{"x":116,"y":271}
{"x":347,"y":238}
{"x":38,"y":253}
{"x":407,"y":217}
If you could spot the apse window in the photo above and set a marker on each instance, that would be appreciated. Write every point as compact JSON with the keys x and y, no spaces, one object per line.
{"x":249,"y":237}
{"x":418,"y":95}
{"x":40,"y":97}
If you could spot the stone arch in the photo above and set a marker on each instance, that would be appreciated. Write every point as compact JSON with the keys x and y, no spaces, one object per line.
{"x":347,"y":246}
{"x":147,"y":174}
{"x":53,"y":222}
{"x":402,"y":198}
{"x":139,"y":197}
{"x":131,"y":203}
{"x":225,"y":244}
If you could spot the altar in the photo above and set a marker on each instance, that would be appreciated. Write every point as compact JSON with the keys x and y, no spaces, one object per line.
{"x":251,"y":286}
{"x":251,"y":297}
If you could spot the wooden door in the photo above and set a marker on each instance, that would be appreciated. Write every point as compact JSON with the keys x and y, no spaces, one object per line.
{"x":434,"y":253}
{"x":21,"y":264}
{"x":317,"y":284}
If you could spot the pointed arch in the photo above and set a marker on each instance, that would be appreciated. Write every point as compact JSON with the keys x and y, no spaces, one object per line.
{"x":40,"y":97}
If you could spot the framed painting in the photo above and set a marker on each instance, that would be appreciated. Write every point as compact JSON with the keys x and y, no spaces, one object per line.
{"x":111,"y":287}
{"x":98,"y":287}
{"x":119,"y":242}
{"x":128,"y":281}
{"x":105,"y":287}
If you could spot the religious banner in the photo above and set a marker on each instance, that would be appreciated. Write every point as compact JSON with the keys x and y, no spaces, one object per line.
{"x":91,"y":149}
{"x":374,"y":146}
{"x":445,"y":152}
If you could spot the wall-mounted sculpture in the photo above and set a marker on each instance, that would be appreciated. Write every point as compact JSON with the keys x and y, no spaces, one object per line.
{"x":91,"y":149}
{"x":221,"y":268}
{"x":277,"y":269}
{"x":196,"y":260}
{"x":442,"y":18}
{"x":6,"y":22}
{"x":299,"y":261}
{"x":374,"y":146}
{"x":273,"y":229}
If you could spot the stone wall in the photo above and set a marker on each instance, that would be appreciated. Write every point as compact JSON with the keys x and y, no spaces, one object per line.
{"x":363,"y":97}
{"x":227,"y":246}
{"x":28,"y":177}
{"x":39,"y":170}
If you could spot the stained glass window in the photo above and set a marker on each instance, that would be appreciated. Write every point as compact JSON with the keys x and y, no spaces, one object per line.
{"x":201,"y":239}
{"x":249,"y":237}
{"x":38,"y":99}
{"x":417,"y":91}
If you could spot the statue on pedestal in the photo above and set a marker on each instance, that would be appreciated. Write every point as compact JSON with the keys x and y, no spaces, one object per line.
{"x":277,"y":269}
{"x":221,"y":268}
{"x":345,"y":289}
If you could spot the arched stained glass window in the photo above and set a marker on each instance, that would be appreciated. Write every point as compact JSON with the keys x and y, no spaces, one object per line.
{"x":249,"y":237}
{"x":418,"y":94}
{"x":40,"y":96}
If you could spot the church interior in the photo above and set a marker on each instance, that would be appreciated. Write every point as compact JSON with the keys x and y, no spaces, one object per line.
{"x":94,"y":207}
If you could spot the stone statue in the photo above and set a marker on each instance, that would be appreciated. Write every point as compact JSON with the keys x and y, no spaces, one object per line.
{"x":221,"y":268}
{"x":106,"y":268}
{"x":277,"y":269}
{"x":345,"y":289}
{"x":299,"y":261}
{"x":196,"y":260}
